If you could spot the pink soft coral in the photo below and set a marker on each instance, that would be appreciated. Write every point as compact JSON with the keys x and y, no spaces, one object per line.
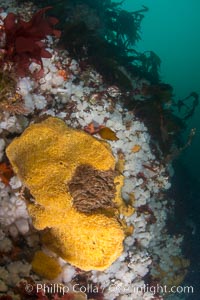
{"x":23,"y":43}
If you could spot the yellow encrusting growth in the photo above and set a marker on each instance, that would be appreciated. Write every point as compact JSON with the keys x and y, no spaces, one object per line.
{"x":136,"y":148}
{"x":46,"y":157}
{"x":91,"y":242}
{"x":45,"y":266}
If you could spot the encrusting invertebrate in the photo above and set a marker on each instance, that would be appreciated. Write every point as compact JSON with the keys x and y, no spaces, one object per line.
{"x":77,"y":192}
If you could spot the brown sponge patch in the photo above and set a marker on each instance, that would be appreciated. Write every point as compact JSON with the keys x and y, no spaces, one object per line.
{"x":92,"y":189}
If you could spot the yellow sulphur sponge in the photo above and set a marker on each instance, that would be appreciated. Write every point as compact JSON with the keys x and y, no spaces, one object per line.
{"x":77,"y":192}
{"x":45,"y":266}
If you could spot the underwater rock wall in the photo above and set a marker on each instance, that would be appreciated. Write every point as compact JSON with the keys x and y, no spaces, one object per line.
{"x":83,"y":101}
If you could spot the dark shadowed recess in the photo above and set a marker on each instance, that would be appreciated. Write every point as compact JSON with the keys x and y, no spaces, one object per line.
{"x":186,"y":221}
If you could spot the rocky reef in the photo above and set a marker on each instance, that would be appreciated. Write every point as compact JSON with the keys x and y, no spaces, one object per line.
{"x":86,"y":146}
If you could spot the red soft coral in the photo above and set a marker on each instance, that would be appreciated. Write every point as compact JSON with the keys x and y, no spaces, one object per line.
{"x":24,"y":43}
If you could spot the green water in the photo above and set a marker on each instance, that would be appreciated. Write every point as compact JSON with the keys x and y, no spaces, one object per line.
{"x":171,"y":29}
